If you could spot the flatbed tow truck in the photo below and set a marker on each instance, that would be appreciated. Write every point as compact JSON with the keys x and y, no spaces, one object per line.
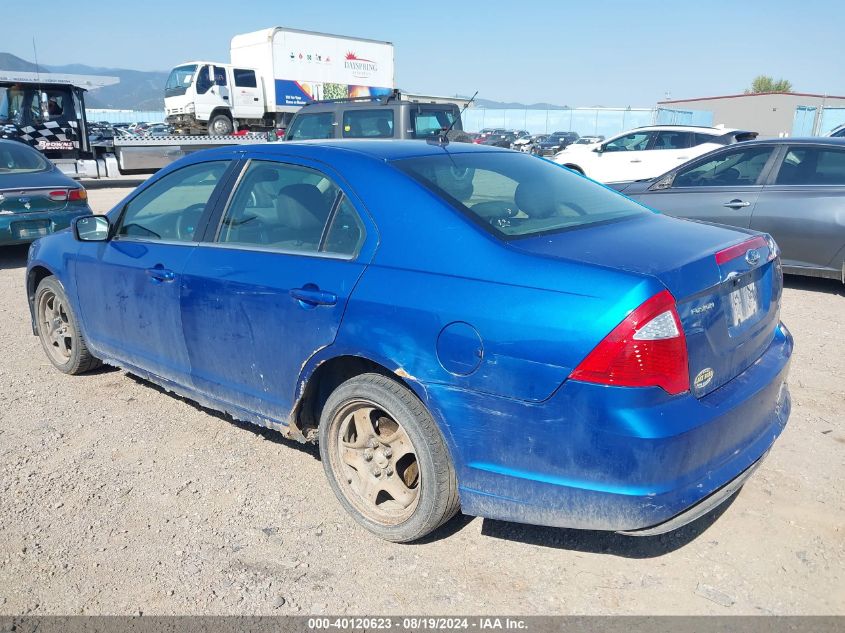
{"x":47,"y":111}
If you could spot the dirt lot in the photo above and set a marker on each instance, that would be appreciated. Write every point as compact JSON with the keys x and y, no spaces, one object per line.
{"x":116,"y":497}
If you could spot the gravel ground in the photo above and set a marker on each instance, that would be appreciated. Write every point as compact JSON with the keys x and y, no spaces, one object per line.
{"x":117,"y":498}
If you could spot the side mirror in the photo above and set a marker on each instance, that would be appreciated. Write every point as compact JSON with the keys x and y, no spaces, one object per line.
{"x":599,"y":149}
{"x":91,"y":228}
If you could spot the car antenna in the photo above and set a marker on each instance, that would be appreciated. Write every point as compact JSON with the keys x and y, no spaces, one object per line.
{"x":443,"y":138}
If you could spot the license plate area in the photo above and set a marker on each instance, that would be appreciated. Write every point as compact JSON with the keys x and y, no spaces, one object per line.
{"x":31,"y":229}
{"x":744,"y":303}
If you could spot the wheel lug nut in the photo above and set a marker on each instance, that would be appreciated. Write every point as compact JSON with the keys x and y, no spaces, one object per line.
{"x":389,"y":472}
{"x":388,"y":453}
{"x":376,"y":471}
{"x":371,"y":443}
{"x":368,"y":455}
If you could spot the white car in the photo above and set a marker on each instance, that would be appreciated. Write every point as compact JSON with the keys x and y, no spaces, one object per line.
{"x":646,"y":152}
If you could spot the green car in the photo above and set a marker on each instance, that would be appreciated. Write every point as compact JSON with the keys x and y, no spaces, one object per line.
{"x":36,"y":199}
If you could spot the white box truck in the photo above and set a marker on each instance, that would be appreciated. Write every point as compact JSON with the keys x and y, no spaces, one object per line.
{"x":273,"y":72}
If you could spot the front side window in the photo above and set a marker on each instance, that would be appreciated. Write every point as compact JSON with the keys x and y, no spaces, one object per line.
{"x":739,"y":167}
{"x":292,"y":209}
{"x":311,"y":126}
{"x":220,"y":76}
{"x":812,"y":166}
{"x":672,"y":140}
{"x":171,"y":208}
{"x":633,"y":142}
{"x":515,"y":195}
{"x":428,"y":122}
{"x":203,"y":81}
{"x":368,"y":123}
{"x":245,"y":78}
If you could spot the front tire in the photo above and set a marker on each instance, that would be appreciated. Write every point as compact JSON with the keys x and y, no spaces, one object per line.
{"x":220,"y":125}
{"x":59,"y":330}
{"x":386,"y":460}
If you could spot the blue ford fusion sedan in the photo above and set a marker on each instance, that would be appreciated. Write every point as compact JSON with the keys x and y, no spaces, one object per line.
{"x":458,"y":326}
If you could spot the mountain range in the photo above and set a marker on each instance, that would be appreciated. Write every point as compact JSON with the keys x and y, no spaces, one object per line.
{"x":142,"y":90}
{"x":137,"y":90}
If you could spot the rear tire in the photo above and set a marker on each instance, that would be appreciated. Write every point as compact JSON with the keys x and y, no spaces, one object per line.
{"x":59,"y":330}
{"x":386,"y":460}
{"x":220,"y":125}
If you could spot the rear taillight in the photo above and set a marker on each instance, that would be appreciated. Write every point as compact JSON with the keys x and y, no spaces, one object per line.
{"x":732,"y":252}
{"x":77,"y":194}
{"x":61,"y":194}
{"x":648,"y":349}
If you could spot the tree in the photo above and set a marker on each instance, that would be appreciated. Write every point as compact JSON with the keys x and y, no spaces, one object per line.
{"x":764,"y":83}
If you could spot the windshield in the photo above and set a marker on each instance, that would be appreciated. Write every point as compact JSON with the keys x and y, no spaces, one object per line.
{"x":179,"y":80}
{"x":18,"y":158}
{"x":27,"y":104}
{"x":515,"y":195}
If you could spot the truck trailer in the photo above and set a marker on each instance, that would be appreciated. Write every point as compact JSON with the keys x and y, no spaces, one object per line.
{"x":273,"y":72}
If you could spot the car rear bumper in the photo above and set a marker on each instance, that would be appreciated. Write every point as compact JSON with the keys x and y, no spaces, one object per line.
{"x":22,"y":228}
{"x":614,"y":458}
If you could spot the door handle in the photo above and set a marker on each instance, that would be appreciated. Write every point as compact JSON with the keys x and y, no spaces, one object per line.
{"x":312,"y":296}
{"x":736,"y":204}
{"x":636,"y":160}
{"x":159,"y":274}
{"x":225,"y":98}
{"x":255,"y":98}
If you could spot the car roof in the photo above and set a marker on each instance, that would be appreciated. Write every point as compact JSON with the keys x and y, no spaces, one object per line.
{"x":386,"y":150}
{"x":800,"y":140}
{"x":683,"y":128}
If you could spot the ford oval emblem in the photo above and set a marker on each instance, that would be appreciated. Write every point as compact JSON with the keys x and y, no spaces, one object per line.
{"x":752,"y":256}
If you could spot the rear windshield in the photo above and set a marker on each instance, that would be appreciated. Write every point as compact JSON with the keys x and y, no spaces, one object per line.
{"x":16,"y":157}
{"x":515,"y":195}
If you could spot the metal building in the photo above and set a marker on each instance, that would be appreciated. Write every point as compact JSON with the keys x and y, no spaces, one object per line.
{"x":771,"y":114}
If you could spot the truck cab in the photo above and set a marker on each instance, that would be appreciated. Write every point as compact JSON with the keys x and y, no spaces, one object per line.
{"x":216,"y":98}
{"x":46,"y":116}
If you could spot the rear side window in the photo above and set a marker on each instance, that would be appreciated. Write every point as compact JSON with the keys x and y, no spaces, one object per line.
{"x":700,"y":139}
{"x":311,"y":126}
{"x":428,"y":122}
{"x":672,"y":140}
{"x":812,"y":166}
{"x":292,"y":209}
{"x":739,"y":167}
{"x":171,"y":208}
{"x":245,"y":78}
{"x":368,"y":123}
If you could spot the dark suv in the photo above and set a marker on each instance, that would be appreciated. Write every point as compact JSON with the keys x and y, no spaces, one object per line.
{"x":393,"y":116}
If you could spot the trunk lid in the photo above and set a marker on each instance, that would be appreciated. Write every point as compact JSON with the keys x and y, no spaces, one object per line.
{"x":728,"y":308}
{"x":22,"y":200}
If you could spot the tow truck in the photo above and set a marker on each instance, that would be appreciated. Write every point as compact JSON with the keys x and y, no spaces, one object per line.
{"x":47,"y":111}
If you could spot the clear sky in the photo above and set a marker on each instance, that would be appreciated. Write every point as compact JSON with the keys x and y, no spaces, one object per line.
{"x":585,"y":53}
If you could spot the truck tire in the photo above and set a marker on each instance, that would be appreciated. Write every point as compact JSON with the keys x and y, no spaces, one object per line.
{"x":220,"y":125}
{"x":386,"y":460}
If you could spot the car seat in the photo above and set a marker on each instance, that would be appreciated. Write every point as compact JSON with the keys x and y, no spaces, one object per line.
{"x":302,"y":213}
